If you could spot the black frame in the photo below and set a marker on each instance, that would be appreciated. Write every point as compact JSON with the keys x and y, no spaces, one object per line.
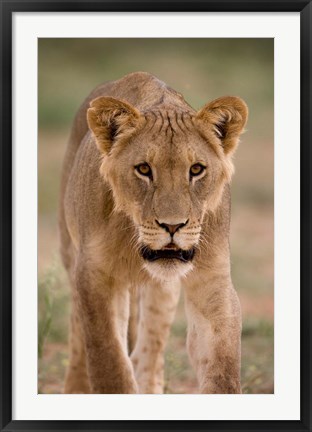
{"x":7,"y":8}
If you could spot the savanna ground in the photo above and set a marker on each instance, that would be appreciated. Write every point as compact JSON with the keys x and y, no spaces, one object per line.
{"x":201,"y":70}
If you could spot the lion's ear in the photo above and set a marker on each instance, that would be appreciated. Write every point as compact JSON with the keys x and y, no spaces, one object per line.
{"x":227,"y":117}
{"x":110,"y":120}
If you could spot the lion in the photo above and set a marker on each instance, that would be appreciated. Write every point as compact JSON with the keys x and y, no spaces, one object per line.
{"x":144,"y":211}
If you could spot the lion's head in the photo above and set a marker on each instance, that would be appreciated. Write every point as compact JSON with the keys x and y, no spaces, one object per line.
{"x":167,"y":167}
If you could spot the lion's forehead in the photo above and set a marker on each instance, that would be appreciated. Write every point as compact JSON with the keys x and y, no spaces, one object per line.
{"x":170,"y":137}
{"x":169,"y":122}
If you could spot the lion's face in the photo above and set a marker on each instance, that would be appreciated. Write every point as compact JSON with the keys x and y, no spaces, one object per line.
{"x":165,"y":178}
{"x":166,"y":170}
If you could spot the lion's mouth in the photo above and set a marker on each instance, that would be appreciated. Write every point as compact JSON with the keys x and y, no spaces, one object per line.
{"x":167,"y":254}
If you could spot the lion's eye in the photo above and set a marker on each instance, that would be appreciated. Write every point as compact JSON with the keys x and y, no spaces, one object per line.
{"x":196,"y":170}
{"x":144,"y":169}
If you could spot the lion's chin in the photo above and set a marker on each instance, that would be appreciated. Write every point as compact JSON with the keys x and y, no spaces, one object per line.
{"x":169,"y":263}
{"x":168,"y":269}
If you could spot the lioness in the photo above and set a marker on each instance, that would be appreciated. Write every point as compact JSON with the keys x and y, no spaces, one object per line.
{"x":145,"y":208}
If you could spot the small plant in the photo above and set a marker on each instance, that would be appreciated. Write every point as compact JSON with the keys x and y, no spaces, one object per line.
{"x":45,"y":306}
{"x":53,"y":306}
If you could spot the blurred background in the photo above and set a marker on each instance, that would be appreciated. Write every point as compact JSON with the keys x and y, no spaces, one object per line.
{"x":201,"y":69}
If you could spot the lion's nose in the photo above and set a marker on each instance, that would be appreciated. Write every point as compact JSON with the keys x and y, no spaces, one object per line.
{"x":171,"y":229}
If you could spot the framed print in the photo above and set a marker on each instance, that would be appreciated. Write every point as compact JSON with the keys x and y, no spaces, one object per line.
{"x":122,"y":304}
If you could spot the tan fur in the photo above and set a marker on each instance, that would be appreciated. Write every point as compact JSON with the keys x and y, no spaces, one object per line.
{"x":108,"y":211}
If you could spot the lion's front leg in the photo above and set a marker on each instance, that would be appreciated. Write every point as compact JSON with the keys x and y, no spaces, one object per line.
{"x":157,"y":309}
{"x":214,"y":336}
{"x":77,"y":380}
{"x":104,"y":311}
